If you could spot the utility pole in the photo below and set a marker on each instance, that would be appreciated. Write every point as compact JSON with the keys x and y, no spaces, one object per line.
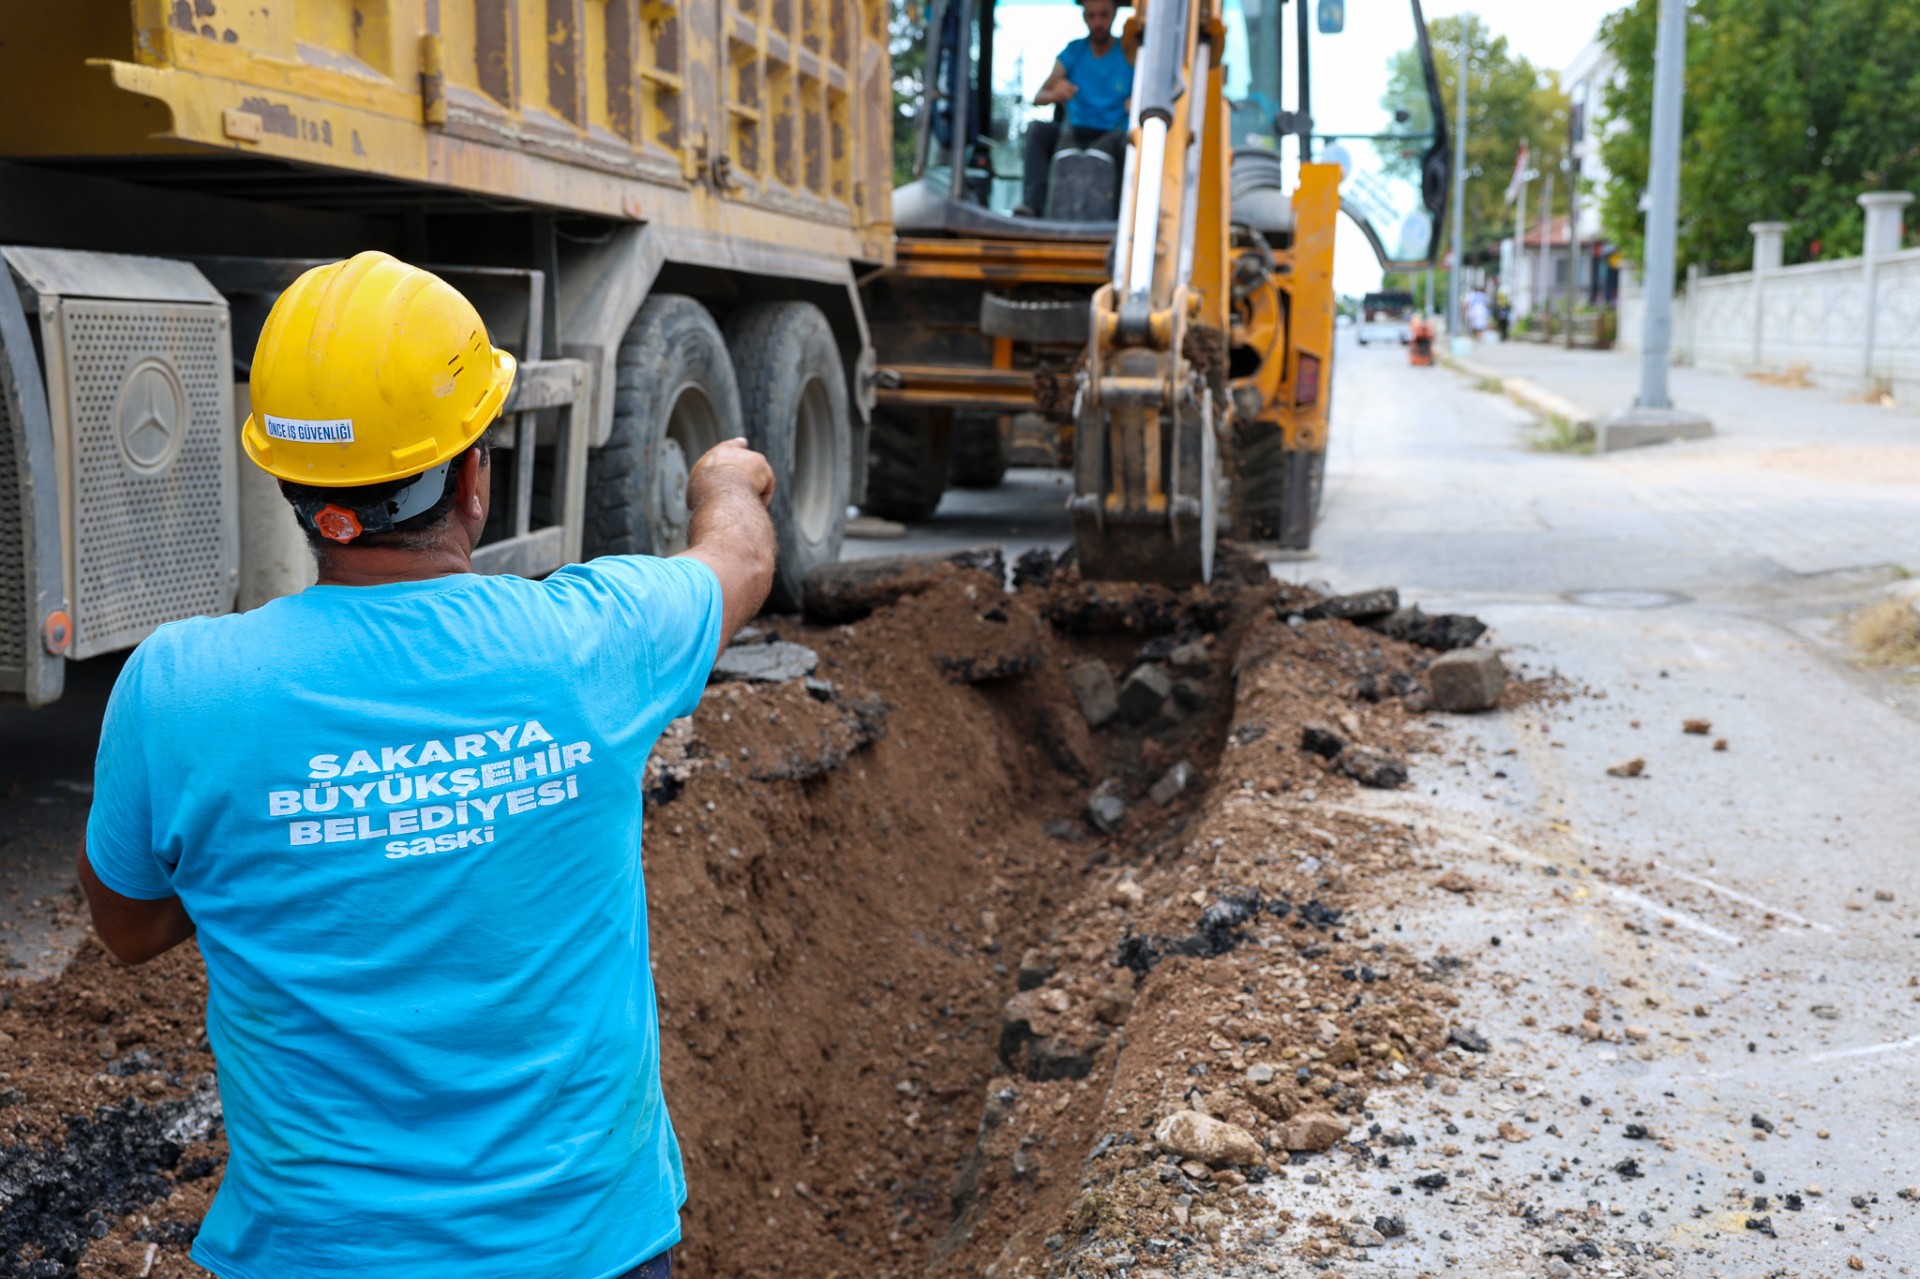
{"x":1460,"y":345}
{"x":1520,"y":248}
{"x":1653,"y":419}
{"x":1573,"y":238}
{"x":1546,"y":244}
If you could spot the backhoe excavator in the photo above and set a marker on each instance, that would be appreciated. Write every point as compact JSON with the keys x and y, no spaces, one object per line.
{"x":1173,"y":323}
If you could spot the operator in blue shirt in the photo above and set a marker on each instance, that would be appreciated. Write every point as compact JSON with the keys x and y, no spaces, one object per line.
{"x":1094,"y":80}
{"x":402,"y":812}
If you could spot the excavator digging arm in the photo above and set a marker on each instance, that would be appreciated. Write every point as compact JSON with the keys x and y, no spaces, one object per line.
{"x":1146,"y":464}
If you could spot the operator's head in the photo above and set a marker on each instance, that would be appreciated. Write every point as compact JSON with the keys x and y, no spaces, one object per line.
{"x":372,"y":383}
{"x":1099,"y":16}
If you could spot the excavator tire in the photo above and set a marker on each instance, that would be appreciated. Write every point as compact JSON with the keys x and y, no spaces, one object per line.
{"x":1276,"y":490}
{"x":908,"y":457}
{"x":980,"y":452}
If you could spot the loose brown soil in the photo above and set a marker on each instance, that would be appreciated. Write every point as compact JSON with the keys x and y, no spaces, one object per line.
{"x":918,"y":1017}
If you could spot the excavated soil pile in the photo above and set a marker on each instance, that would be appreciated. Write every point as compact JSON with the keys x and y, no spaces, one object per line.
{"x":952,"y":980}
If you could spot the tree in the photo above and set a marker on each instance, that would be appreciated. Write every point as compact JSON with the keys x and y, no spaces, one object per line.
{"x":907,"y":44}
{"x":1508,"y":99}
{"x":1793,"y":108}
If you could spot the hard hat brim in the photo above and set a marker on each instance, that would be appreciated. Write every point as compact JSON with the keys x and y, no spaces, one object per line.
{"x":306,"y":463}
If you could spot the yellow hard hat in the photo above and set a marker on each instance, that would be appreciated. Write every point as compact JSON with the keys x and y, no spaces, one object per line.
{"x":370,"y":370}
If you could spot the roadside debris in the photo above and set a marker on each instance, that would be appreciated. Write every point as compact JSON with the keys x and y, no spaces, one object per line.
{"x":769,"y":662}
{"x":1070,"y":949}
{"x":1627,"y":768}
{"x":1469,"y":679}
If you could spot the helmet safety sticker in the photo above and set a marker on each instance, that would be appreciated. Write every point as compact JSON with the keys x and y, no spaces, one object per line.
{"x":310,"y":431}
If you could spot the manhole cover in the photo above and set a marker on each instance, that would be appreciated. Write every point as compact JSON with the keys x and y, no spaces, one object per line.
{"x":1626,"y":599}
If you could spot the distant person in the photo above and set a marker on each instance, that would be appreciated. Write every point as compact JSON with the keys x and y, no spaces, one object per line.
{"x":1502,"y":312}
{"x":1094,"y":79}
{"x":1476,"y":308}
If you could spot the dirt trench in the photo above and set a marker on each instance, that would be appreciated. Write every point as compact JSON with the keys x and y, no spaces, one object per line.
{"x":919,"y":1014}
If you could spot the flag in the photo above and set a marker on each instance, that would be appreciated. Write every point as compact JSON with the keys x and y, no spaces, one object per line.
{"x":1519,"y":181}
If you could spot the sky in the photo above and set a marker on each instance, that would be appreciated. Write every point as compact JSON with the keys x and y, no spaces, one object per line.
{"x":1548,"y":33}
{"x":1349,"y":76}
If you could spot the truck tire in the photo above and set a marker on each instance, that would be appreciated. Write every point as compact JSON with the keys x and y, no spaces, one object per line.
{"x":980,"y":452}
{"x":674,"y":397}
{"x":907,"y":464}
{"x":793,"y":396}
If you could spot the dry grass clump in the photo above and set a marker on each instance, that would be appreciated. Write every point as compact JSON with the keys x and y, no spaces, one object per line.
{"x":1887,"y":632}
{"x":1793,"y":376}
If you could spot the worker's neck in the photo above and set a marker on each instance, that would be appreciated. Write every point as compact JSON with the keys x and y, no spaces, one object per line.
{"x":1100,"y":44}
{"x":384,"y":565}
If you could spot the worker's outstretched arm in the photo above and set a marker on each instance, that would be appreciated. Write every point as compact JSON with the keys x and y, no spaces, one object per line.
{"x":731,"y":533}
{"x":134,"y":930}
{"x":1057,"y":88}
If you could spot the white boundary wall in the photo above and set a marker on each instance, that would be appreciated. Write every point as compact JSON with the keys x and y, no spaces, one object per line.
{"x":1812,"y":317}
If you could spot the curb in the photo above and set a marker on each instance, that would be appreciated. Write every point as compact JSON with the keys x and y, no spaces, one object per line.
{"x":1531,"y":395}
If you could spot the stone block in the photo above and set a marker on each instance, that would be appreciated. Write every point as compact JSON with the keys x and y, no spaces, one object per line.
{"x":1094,"y":691}
{"x":1144,"y":692}
{"x":1467,"y":679}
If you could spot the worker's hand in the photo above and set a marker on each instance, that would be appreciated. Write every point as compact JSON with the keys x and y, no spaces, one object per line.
{"x":1065,"y":90}
{"x":729,"y":464}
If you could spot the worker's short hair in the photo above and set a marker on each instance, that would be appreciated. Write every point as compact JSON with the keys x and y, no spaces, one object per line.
{"x":411,"y":532}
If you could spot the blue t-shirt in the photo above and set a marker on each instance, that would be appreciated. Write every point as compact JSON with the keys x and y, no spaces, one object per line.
{"x":1103,"y":84}
{"x":406,"y":822}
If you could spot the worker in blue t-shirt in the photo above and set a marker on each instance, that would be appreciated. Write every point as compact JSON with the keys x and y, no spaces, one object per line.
{"x":401,"y":812}
{"x":1094,"y":80}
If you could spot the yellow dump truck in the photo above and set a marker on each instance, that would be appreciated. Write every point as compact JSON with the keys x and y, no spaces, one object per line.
{"x":662,"y":208}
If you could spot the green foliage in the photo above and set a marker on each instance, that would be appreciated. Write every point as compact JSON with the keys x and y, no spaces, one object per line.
{"x":906,"y":42}
{"x":1793,"y":108}
{"x":1508,"y":99}
{"x":1415,"y":282}
{"x":1557,"y":435}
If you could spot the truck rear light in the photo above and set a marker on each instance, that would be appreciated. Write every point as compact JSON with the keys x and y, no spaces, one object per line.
{"x":1306,"y":381}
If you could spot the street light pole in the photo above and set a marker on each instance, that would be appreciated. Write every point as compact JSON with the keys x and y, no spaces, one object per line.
{"x":1459,"y":200}
{"x":1653,"y":419}
{"x":1663,"y":194}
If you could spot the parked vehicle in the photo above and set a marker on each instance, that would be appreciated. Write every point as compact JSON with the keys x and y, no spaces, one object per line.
{"x":660,"y":208}
{"x":1385,"y":317}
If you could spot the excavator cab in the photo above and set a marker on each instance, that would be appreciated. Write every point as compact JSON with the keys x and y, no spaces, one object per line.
{"x":985,"y":61}
{"x":1175,"y":331}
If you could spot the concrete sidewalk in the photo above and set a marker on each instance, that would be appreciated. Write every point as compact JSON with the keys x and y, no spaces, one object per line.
{"x":1584,"y":387}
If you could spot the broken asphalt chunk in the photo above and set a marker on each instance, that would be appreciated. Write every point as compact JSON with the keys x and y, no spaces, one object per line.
{"x":1356,"y":607}
{"x":1442,"y":632}
{"x":1322,"y":741}
{"x":1471,"y":1040}
{"x":851,"y":589}
{"x":770,"y":663}
{"x":1374,"y":768}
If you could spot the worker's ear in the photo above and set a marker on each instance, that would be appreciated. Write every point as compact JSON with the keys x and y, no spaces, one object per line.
{"x":476,"y":482}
